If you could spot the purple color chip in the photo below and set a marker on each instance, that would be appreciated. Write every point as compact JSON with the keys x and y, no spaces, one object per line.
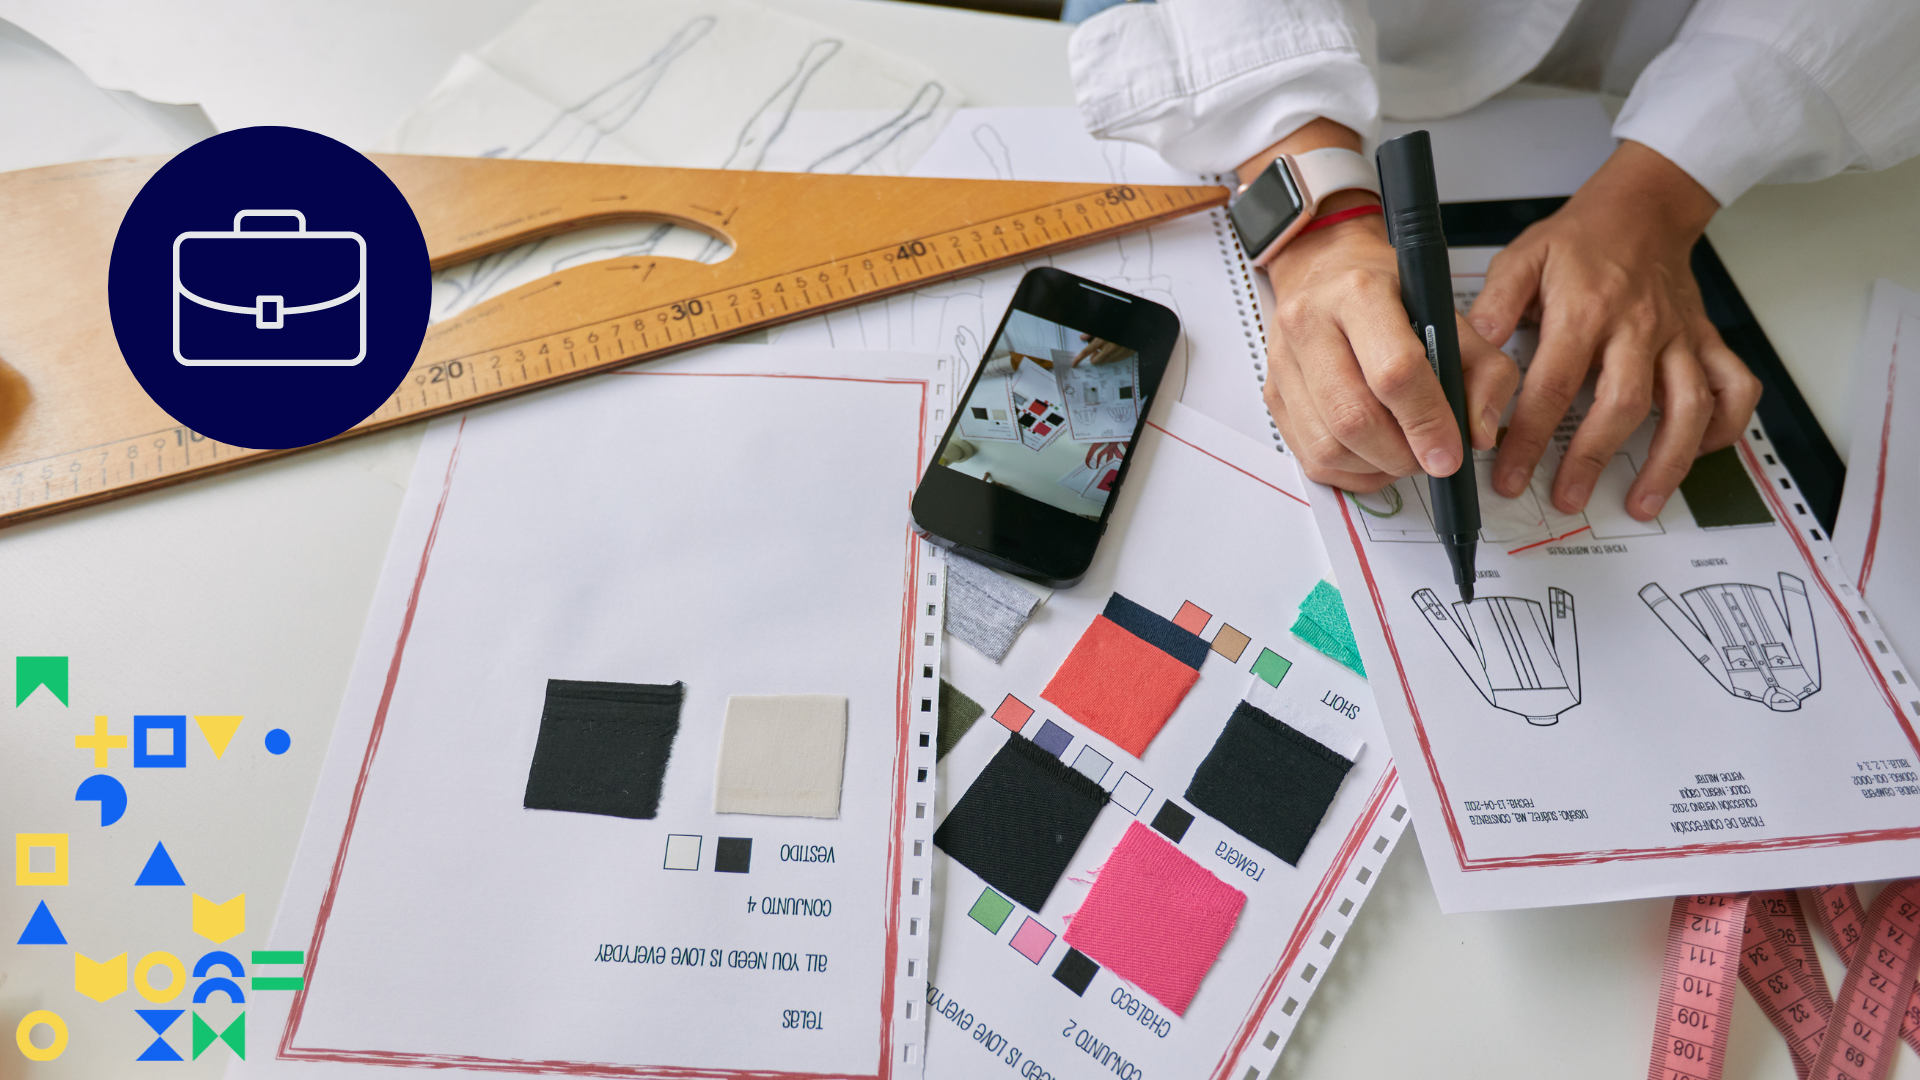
{"x":1053,"y":738}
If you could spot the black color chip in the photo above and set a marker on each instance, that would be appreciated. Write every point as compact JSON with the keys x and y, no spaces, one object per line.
{"x":1267,"y":782}
{"x":1172,"y":821}
{"x":733,"y":855}
{"x":1076,"y":970}
{"x":603,"y":747}
{"x":1021,"y":821}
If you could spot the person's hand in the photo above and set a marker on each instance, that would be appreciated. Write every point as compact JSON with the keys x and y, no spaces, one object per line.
{"x":1609,"y":280}
{"x":1348,"y":383}
{"x":1098,"y":351}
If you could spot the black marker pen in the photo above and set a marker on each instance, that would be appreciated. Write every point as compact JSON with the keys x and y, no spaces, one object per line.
{"x":1411,"y":200}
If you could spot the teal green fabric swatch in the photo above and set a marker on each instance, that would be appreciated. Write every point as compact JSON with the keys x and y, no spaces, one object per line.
{"x":1323,"y":624}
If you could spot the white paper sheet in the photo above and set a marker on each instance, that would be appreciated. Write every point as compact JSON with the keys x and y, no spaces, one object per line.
{"x":709,"y":519}
{"x":1880,"y":507}
{"x":1701,"y":705}
{"x":1192,"y":265}
{"x":664,"y":84}
{"x":1211,"y":517}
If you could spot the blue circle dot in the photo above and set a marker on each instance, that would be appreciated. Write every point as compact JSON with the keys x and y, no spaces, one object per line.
{"x":278,"y":740}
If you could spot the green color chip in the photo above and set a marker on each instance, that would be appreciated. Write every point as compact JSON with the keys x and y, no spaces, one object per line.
{"x":1722,"y":494}
{"x":292,"y":982}
{"x":991,"y":910}
{"x":957,"y":714}
{"x":30,"y":673}
{"x":1271,"y":667}
{"x":290,"y":956}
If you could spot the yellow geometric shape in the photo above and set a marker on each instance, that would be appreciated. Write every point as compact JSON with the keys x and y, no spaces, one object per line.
{"x":171,"y":963}
{"x":23,"y":845}
{"x":99,"y":742}
{"x":218,"y":922}
{"x":101,"y":979}
{"x":219,"y":731}
{"x":33,"y":1020}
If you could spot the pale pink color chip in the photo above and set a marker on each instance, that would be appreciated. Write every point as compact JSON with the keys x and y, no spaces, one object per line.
{"x":1192,"y":617}
{"x":1032,"y":940}
{"x":1156,"y":918}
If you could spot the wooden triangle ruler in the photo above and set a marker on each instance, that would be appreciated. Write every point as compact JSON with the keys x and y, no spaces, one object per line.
{"x":76,"y":428}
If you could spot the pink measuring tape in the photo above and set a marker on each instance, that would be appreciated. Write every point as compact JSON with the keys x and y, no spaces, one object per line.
{"x":1762,"y":940}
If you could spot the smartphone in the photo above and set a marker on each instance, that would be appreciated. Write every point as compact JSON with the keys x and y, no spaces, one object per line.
{"x":1031,"y":465}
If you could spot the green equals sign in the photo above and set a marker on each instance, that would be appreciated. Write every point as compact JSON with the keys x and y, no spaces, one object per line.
{"x":278,"y":982}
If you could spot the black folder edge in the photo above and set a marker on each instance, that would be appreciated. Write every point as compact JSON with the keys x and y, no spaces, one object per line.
{"x":1797,"y":438}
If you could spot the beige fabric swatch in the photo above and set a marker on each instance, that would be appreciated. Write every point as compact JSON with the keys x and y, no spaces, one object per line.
{"x":782,"y":755}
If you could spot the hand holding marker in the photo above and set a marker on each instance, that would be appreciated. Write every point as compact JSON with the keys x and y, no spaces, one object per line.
{"x":1411,"y":199}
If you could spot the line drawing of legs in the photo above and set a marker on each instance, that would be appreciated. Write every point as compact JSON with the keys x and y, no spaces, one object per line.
{"x":1754,"y":645}
{"x":574,"y":133}
{"x":770,"y":119}
{"x":1522,"y":657}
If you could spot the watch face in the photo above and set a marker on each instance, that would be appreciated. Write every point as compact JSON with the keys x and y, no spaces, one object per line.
{"x":1263,"y":211}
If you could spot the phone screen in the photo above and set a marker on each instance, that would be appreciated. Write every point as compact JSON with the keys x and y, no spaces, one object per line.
{"x":1051,"y":414}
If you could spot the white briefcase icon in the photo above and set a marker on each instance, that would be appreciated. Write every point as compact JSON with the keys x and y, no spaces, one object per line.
{"x":269,"y":298}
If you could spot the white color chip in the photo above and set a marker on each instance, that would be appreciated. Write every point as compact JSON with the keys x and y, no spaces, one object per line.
{"x":1092,"y":764}
{"x":683,"y":852}
{"x":782,"y":755}
{"x":1131,"y":793}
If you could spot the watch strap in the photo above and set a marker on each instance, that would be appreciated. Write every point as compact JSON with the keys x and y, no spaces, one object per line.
{"x":1329,"y":169}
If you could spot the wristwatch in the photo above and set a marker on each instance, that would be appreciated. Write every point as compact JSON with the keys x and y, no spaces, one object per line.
{"x":1272,"y":210}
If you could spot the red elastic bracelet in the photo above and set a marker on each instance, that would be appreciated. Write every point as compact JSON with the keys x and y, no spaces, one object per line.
{"x":1349,"y":214}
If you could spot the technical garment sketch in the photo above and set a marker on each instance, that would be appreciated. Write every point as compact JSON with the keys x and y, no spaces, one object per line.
{"x":1755,"y":645}
{"x":1523,"y":658}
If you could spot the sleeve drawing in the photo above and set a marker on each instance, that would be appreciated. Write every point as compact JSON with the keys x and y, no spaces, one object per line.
{"x":1523,"y":658}
{"x":1756,"y":646}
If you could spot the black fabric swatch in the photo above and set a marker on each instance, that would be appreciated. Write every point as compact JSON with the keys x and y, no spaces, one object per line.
{"x":1021,"y":821}
{"x":1076,"y":970}
{"x":1267,"y":782}
{"x":1183,"y":645}
{"x":603,"y":747}
{"x":734,"y":855}
{"x":1173,"y":821}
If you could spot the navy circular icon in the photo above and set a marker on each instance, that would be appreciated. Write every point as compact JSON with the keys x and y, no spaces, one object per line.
{"x":269,"y":287}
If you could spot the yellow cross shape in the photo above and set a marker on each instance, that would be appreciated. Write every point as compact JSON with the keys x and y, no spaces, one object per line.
{"x":100,"y":742}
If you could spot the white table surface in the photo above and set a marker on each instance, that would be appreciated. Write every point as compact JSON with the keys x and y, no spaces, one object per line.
{"x":247,"y":592}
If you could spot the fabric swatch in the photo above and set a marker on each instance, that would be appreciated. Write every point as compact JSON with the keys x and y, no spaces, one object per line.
{"x":603,"y":747}
{"x":1120,"y":685}
{"x":1156,"y":918}
{"x":957,"y":714}
{"x":984,"y":609}
{"x":1019,"y":824}
{"x":782,"y":755}
{"x":1162,"y":633}
{"x":1268,"y":782}
{"x":1323,"y":624}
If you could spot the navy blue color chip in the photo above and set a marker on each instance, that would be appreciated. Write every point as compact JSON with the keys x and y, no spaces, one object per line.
{"x":734,"y":855}
{"x":269,"y":287}
{"x":1183,"y":645}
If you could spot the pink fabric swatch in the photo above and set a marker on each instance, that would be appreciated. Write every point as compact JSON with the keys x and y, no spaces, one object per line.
{"x":1156,"y":918}
{"x":1032,"y":940}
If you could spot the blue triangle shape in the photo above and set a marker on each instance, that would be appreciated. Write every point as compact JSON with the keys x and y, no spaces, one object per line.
{"x":160,"y":871}
{"x":41,"y":929}
{"x":160,"y":1020}
{"x":159,"y":1051}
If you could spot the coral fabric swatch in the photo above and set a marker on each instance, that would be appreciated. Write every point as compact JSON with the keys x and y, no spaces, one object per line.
{"x":1119,"y":685}
{"x":1156,"y":918}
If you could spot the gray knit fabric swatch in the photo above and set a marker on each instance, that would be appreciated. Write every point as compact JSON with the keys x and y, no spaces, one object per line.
{"x":984,"y":609}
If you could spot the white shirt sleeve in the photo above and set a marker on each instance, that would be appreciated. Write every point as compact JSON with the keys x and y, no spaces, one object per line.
{"x":1210,"y":83}
{"x":1778,"y":91}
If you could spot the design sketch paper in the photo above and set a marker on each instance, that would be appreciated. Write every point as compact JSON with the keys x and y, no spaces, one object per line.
{"x":1880,"y":507}
{"x":1193,"y":536}
{"x":651,"y":526}
{"x":1192,"y":265}
{"x":1698,"y":705}
{"x":664,"y":84}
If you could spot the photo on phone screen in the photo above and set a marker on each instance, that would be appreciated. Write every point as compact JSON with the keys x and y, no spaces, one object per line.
{"x":1031,"y":464}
